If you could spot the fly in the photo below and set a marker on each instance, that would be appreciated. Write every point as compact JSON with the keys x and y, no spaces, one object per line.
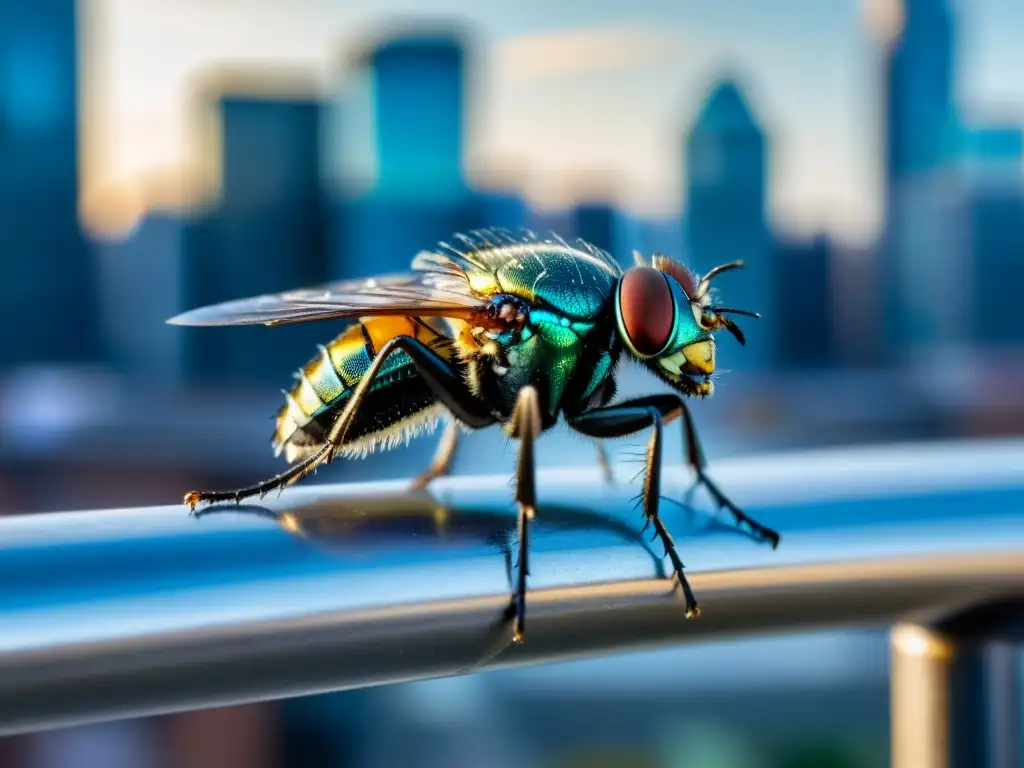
{"x":474,"y":335}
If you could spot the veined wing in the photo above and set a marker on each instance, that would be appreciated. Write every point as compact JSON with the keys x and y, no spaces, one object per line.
{"x":449,"y":282}
{"x":427,"y":294}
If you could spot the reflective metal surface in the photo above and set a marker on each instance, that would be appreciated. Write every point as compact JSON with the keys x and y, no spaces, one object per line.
{"x":128,"y":612}
{"x":921,"y":713}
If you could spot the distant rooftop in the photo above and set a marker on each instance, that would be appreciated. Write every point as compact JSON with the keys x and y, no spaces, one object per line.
{"x":252,"y":82}
{"x":422,"y":39}
{"x":420,"y":36}
{"x":726,"y":111}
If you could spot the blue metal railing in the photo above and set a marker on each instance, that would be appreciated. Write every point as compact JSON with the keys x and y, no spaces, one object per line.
{"x":120,"y":613}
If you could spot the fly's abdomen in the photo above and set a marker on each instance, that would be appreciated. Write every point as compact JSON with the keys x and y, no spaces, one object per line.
{"x":398,"y":405}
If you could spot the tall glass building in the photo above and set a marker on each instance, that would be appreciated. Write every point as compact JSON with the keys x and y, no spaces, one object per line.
{"x":48,"y":287}
{"x":726,"y":219}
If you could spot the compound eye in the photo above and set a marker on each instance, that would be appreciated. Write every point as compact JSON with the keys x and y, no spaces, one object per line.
{"x":646,"y":309}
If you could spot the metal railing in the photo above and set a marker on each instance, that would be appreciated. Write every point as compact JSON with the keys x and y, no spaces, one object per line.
{"x":116,"y":613}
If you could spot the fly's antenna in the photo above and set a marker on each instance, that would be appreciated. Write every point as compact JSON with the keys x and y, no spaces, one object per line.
{"x":705,"y":282}
{"x":638,"y":259}
{"x":714,"y":316}
{"x":731,"y":311}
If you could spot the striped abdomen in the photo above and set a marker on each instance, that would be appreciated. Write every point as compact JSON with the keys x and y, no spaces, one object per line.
{"x":397,"y":406}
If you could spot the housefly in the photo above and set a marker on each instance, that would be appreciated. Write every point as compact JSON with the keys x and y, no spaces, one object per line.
{"x":500,"y":328}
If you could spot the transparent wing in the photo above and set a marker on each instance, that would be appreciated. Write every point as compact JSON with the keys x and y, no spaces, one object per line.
{"x":427,"y":294}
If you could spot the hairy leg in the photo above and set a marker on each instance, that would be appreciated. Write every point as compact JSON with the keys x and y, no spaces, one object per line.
{"x":670,"y":406}
{"x":526,"y":424}
{"x":619,"y":421}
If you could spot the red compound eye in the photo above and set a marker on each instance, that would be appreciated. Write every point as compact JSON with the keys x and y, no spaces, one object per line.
{"x":645,"y":307}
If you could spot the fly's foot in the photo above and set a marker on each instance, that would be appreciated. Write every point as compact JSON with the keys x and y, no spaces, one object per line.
{"x":518,"y":633}
{"x":692,"y":609}
{"x":519,"y":627}
{"x":761,"y":532}
{"x":516,"y":613}
{"x":192,"y":498}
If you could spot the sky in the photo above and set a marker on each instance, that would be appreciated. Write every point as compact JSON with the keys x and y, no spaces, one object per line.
{"x":575,"y":93}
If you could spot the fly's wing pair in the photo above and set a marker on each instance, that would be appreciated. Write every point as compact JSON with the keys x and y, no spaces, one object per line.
{"x":426,"y":294}
{"x":453,"y":285}
{"x":453,"y":282}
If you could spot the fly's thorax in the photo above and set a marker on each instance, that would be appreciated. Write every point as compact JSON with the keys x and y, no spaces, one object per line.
{"x":531,"y":287}
{"x":561,"y":356}
{"x":568,"y":280}
{"x":546,"y":302}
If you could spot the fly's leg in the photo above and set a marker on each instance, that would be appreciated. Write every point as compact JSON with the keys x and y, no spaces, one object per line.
{"x":442,"y":463}
{"x":671,"y":406}
{"x":281,"y":480}
{"x":695,"y":458}
{"x":622,"y":420}
{"x":526,"y":424}
{"x":606,"y":466}
{"x":444,"y":380}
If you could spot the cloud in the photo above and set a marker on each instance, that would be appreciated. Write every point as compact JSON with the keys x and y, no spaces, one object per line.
{"x":583,"y":51}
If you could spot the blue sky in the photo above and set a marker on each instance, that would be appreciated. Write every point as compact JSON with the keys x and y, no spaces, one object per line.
{"x":581,"y":93}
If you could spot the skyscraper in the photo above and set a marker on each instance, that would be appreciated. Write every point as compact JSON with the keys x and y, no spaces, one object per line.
{"x":48,"y":272}
{"x":997,"y":274}
{"x":382,"y":234}
{"x":419,"y":194}
{"x":994,"y":159}
{"x":804,"y":280}
{"x":419,"y":111}
{"x":266,"y":233}
{"x":726,"y":218}
{"x":925,"y":250}
{"x":139,"y":289}
{"x":921,"y":126}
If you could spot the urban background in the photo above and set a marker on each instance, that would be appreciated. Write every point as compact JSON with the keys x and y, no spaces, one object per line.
{"x":844,"y":150}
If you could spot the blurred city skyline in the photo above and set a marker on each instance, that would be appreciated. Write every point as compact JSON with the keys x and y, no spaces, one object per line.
{"x":616,"y":84}
{"x":917,"y":333}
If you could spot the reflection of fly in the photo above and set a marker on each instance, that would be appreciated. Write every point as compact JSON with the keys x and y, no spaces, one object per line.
{"x":502,"y":330}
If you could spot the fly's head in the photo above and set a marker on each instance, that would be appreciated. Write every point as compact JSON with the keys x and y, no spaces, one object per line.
{"x":666,"y":319}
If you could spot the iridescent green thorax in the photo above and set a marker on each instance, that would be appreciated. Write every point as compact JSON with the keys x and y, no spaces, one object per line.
{"x":565,"y":280}
{"x":571,"y":297}
{"x":554,"y":345}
